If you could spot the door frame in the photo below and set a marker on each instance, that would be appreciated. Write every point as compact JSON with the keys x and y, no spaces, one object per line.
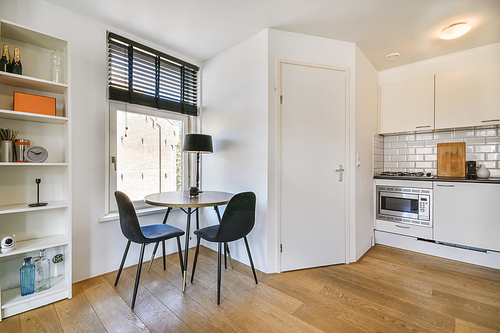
{"x":347,"y":167}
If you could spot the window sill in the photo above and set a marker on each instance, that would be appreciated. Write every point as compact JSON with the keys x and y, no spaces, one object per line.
{"x":140,"y":212}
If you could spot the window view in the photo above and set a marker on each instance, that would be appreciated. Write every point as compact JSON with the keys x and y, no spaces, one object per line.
{"x":149,"y":154}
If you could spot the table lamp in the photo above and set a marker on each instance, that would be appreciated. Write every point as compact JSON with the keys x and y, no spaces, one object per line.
{"x":199,"y":144}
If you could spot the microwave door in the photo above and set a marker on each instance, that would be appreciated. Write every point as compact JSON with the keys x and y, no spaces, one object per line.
{"x":398,"y":204}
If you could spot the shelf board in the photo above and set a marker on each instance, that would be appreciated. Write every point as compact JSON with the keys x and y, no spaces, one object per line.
{"x":18,"y":32}
{"x":36,"y":244}
{"x":32,"y":83}
{"x":21,"y":208}
{"x":26,"y":116}
{"x":13,"y":298}
{"x":28,"y":164}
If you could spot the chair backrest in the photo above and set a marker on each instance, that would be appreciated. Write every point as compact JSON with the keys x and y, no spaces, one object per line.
{"x":129,"y":223}
{"x":238,"y":219}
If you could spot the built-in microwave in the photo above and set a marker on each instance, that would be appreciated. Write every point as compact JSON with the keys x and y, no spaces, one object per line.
{"x":404,"y":205}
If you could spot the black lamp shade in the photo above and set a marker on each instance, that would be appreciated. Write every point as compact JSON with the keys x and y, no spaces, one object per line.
{"x":198,"y":143}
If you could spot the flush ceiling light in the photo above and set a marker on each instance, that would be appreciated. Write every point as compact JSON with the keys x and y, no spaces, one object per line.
{"x":455,"y":30}
{"x":392,"y":56}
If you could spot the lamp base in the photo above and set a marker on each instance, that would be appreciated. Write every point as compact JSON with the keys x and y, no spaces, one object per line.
{"x":194,"y":191}
{"x":38,"y":204}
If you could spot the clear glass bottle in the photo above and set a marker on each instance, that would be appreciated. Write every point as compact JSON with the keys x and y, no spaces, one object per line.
{"x":27,"y":273}
{"x":42,"y":273}
{"x":57,"y":67}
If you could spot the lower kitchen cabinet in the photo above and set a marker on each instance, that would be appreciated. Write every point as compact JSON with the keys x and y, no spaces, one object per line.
{"x":467,"y":214}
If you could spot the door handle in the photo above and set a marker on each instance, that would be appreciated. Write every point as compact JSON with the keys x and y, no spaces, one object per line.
{"x":340,"y":170}
{"x":113,"y":160}
{"x":400,"y":226}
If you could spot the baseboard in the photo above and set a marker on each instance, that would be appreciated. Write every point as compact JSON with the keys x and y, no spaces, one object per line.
{"x":487,"y":259}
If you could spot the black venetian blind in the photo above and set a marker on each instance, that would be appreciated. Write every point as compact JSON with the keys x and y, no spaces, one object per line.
{"x":138,"y":74}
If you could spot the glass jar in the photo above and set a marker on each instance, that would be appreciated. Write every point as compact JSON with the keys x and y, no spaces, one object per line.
{"x":42,"y":273}
{"x":27,"y":273}
{"x":57,"y":67}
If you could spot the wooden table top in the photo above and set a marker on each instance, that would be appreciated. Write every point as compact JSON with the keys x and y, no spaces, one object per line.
{"x":182,"y":199}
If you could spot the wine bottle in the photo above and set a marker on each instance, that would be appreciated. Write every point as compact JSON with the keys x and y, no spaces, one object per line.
{"x":42,"y":273}
{"x":27,"y":273}
{"x":5,"y":60}
{"x":17,"y":67}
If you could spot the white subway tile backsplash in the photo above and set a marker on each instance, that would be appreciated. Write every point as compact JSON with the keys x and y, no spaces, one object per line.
{"x":475,"y":157}
{"x":424,"y":136}
{"x":485,"y":132}
{"x":398,"y":158}
{"x":415,"y":143}
{"x":493,"y":157}
{"x":475,"y":141}
{"x":398,"y":145}
{"x":431,"y":157}
{"x":415,"y":158}
{"x":390,"y":138}
{"x":406,"y":151}
{"x":428,"y":150}
{"x":418,"y":152}
{"x":443,"y":135}
{"x":485,"y":149}
{"x":406,"y":164}
{"x":464,"y":134}
{"x":406,"y":137}
{"x":432,"y":143}
{"x":493,"y":140}
{"x":424,"y":165}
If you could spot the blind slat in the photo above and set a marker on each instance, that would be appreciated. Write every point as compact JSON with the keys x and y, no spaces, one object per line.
{"x":140,"y":75}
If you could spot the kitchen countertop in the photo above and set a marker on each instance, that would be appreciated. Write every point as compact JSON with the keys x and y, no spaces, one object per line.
{"x":491,"y":180}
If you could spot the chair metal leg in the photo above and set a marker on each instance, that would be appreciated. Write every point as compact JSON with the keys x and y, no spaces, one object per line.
{"x":251,"y":261}
{"x":123,"y":262}
{"x":218,"y":273}
{"x":225,"y":255}
{"x":180,"y":253}
{"x":156,"y":245}
{"x":164,"y":260}
{"x":139,"y":267}
{"x":195,"y":257}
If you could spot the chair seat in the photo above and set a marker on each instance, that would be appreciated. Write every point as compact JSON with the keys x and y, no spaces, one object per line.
{"x":159,"y":232}
{"x":208,"y":233}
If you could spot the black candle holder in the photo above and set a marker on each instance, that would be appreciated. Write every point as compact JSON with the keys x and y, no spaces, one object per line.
{"x":38,"y":203}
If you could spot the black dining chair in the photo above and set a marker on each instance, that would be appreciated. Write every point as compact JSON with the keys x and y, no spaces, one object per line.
{"x":142,"y":235}
{"x":236,"y":223}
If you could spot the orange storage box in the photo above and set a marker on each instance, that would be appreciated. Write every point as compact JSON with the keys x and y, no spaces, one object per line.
{"x":34,"y":104}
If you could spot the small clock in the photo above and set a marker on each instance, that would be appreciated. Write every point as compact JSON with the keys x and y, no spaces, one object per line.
{"x":36,"y":154}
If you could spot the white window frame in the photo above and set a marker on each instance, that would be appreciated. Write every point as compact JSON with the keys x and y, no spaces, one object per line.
{"x":111,"y":175}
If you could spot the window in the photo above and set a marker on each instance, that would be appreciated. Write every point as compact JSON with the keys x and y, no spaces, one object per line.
{"x":140,"y":75}
{"x":146,"y":152}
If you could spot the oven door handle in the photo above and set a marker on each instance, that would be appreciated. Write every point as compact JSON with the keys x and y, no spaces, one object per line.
{"x":401,"y":226}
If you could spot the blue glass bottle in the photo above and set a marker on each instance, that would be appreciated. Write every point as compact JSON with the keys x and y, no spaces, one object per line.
{"x":27,"y":273}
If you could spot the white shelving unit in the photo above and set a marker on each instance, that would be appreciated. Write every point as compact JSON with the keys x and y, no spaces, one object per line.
{"x":46,"y":227}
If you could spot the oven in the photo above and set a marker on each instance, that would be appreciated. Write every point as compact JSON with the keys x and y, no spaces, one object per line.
{"x":404,"y":205}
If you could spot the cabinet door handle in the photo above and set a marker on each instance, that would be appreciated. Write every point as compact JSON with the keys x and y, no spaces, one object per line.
{"x":401,"y":226}
{"x":489,"y":121}
{"x":423,"y":126}
{"x":441,"y":185}
{"x":113,"y":160}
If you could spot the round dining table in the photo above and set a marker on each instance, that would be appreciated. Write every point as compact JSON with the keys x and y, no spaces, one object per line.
{"x":189,"y":205}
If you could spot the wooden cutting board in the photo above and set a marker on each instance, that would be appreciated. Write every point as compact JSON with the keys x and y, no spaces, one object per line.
{"x":451,"y":159}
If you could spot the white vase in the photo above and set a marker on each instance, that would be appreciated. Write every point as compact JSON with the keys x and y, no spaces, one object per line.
{"x":482,"y":172}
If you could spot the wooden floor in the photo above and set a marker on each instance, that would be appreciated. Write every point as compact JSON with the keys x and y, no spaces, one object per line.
{"x":388,"y":290}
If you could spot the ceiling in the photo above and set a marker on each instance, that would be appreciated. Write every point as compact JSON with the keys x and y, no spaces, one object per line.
{"x":201,"y":29}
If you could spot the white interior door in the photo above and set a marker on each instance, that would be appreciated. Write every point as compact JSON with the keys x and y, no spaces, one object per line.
{"x":313,"y":123}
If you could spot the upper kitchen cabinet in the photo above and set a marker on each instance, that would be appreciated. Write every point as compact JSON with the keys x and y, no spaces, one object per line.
{"x":468,"y":97}
{"x":407,"y":106}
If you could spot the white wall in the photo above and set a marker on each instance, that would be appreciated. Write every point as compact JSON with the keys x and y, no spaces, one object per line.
{"x":234,"y":99}
{"x":97,"y":247}
{"x":365,"y":123}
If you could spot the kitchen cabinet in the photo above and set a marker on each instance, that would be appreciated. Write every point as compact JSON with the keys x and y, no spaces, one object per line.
{"x":45,"y":227}
{"x":407,"y":106}
{"x":467,"y":214}
{"x":468,"y":97}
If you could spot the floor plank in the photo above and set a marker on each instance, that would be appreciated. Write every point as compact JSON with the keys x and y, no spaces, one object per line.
{"x":10,"y":325}
{"x":43,"y":319}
